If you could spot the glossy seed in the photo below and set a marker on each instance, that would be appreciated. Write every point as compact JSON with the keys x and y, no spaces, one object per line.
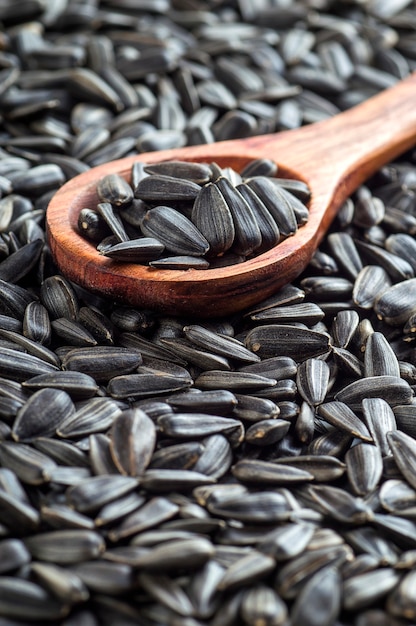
{"x":36,"y":323}
{"x":62,"y":583}
{"x":160,"y":187}
{"x":319,"y":601}
{"x":214,"y":342}
{"x":93,"y":493}
{"x":341,"y":415}
{"x":76,"y":384}
{"x":30,"y":465}
{"x":132,"y":440}
{"x":102,"y":362}
{"x":380,"y":420}
{"x":19,"y":366}
{"x":396,"y":304}
{"x":312,"y":380}
{"x":25,"y":600}
{"x":58,"y":296}
{"x":247,"y":236}
{"x":277,"y":201}
{"x":175,"y":231}
{"x":65,"y":546}
{"x":370,"y":283}
{"x":403,"y":449}
{"x":135,"y":251}
{"x":265,"y":473}
{"x":145,"y":384}
{"x":379,"y":357}
{"x":262,"y":605}
{"x":364,"y":590}
{"x":114,"y":189}
{"x":392,"y":389}
{"x":285,"y":340}
{"x":94,"y":415}
{"x":364,"y":467}
{"x":51,"y":406}
{"x":212,"y":217}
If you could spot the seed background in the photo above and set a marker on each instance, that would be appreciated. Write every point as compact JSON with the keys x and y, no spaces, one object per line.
{"x":283,"y":490}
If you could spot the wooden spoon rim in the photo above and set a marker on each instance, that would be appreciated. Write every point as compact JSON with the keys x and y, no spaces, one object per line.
{"x":70,"y":246}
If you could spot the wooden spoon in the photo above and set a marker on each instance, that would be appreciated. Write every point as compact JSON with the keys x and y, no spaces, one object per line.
{"x":333,"y":157}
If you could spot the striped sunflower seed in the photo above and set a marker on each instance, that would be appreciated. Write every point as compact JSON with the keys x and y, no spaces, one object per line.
{"x":252,"y":471}
{"x":319,"y":600}
{"x":65,"y":546}
{"x":114,"y":189}
{"x":25,"y":600}
{"x":285,"y":340}
{"x":403,"y":449}
{"x":380,"y":420}
{"x":168,"y":593}
{"x":93,"y":493}
{"x":94,"y":415}
{"x":175,"y":231}
{"x":132,"y":440}
{"x":77,"y":385}
{"x":102,"y":362}
{"x":135,"y":251}
{"x":379,"y":357}
{"x":14,"y":555}
{"x":392,"y":389}
{"x":224,"y":346}
{"x":312,"y":380}
{"x":364,"y":468}
{"x":61,"y":583}
{"x":212,"y":217}
{"x":20,"y":366}
{"x":51,"y":406}
{"x":342,"y":416}
{"x":59,"y":297}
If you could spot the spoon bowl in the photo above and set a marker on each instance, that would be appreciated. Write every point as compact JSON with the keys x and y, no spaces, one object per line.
{"x":333,"y":157}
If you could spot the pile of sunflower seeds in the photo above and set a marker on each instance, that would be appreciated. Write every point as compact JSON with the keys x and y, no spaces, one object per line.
{"x":161,"y":471}
{"x":210,"y":215}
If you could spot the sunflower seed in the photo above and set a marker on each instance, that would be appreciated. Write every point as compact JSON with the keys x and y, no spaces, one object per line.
{"x":319,"y":601}
{"x":380,"y":420}
{"x":144,"y":385}
{"x":95,"y":415}
{"x":52,"y":407}
{"x":266,"y":473}
{"x":25,"y":600}
{"x":63,"y":584}
{"x":224,"y":346}
{"x":364,"y":590}
{"x":104,"y":577}
{"x":174,"y":231}
{"x":65,"y":546}
{"x":168,"y":592}
{"x":114,"y":189}
{"x":135,"y":251}
{"x":31,"y":466}
{"x":212,"y":216}
{"x":392,"y":389}
{"x":379,"y":358}
{"x":132,"y":439}
{"x":102,"y":362}
{"x":364,"y":467}
{"x":93,"y":493}
{"x":312,"y":380}
{"x":77,"y":385}
{"x":285,"y":340}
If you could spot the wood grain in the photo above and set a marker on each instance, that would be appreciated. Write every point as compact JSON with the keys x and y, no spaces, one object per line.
{"x":334,"y":157}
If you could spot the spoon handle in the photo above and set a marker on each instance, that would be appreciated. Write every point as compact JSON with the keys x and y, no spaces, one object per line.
{"x":353,"y":145}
